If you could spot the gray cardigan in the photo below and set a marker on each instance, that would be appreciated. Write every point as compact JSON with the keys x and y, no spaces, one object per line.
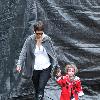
{"x":27,"y":57}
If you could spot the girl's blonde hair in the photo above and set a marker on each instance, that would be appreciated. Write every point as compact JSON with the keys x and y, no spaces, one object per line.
{"x":71,"y":65}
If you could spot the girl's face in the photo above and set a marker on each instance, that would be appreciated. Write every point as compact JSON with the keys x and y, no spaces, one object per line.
{"x":71,"y":71}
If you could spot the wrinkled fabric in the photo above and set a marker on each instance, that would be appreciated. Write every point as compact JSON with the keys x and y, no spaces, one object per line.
{"x":73,"y":25}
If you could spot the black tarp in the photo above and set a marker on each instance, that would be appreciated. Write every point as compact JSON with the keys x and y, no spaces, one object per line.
{"x":73,"y":25}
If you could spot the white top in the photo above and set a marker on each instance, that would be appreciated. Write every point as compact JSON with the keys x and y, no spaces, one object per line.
{"x":42,"y":60}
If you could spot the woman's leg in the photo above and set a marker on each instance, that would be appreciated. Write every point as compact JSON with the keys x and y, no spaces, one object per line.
{"x":44,"y":77}
{"x":35,"y":79}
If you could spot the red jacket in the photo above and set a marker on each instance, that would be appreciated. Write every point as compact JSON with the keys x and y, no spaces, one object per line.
{"x":70,"y":89}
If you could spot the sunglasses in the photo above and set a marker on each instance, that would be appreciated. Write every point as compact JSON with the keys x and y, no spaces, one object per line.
{"x":39,"y":33}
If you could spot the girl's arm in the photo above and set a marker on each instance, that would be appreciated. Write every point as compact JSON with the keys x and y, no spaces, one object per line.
{"x":78,"y":87}
{"x":59,"y":80}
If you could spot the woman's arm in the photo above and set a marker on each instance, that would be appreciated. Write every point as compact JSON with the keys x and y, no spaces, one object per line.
{"x":22,"y":56}
{"x":54,"y":52}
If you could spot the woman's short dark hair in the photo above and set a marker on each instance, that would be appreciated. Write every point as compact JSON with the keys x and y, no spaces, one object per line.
{"x":39,"y":26}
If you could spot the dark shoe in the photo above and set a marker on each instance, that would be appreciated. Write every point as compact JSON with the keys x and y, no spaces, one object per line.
{"x":35,"y":98}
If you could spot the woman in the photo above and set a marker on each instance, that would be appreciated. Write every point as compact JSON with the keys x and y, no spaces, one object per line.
{"x":38,"y":58}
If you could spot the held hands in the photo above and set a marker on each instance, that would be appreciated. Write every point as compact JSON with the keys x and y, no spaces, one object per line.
{"x":18,"y":69}
{"x":58,"y":73}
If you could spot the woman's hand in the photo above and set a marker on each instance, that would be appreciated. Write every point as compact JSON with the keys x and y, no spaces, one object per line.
{"x":38,"y":42}
{"x":18,"y":69}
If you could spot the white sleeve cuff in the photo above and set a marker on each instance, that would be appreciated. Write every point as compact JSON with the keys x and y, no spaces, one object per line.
{"x":80,"y":93}
{"x":73,"y":99}
{"x":58,"y":78}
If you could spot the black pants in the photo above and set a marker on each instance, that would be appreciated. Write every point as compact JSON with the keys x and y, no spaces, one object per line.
{"x":40,"y":79}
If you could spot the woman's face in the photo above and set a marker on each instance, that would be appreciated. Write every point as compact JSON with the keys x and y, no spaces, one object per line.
{"x":39,"y":34}
{"x":71,"y":71}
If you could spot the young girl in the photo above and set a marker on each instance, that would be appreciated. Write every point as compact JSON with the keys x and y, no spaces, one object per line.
{"x":70,"y":84}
